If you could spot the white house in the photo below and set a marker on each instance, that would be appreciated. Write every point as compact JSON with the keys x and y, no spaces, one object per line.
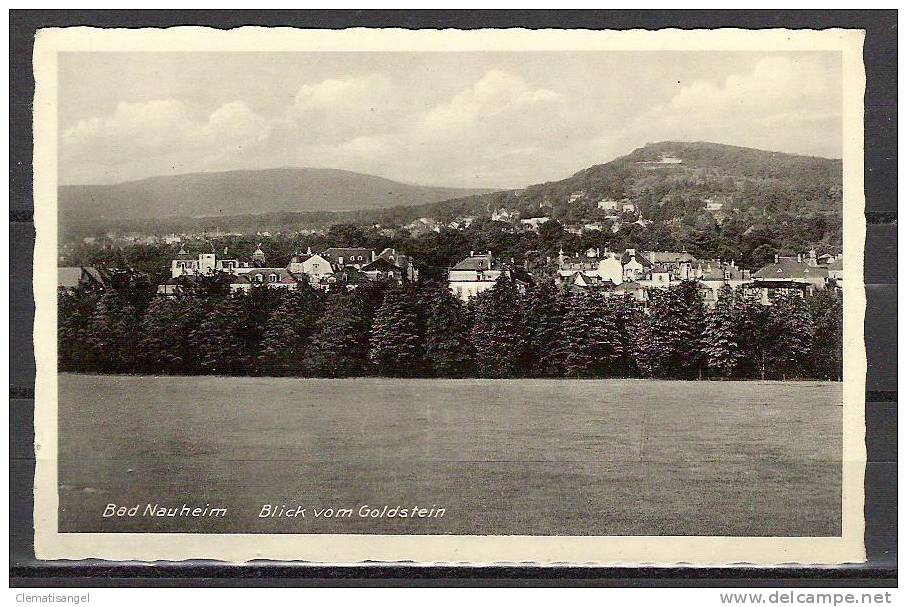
{"x":574,"y":196}
{"x":312,"y":265}
{"x":473,"y":275}
{"x":635,"y":266}
{"x":611,"y":269}
{"x":503,"y":214}
{"x":608,"y":204}
{"x":533,"y":223}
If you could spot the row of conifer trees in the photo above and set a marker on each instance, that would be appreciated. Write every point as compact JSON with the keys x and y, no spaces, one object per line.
{"x":422,"y":330}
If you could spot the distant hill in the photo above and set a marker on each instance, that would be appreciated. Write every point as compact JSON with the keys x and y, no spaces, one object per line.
{"x":667,"y":181}
{"x":245,"y":192}
{"x":670,"y":179}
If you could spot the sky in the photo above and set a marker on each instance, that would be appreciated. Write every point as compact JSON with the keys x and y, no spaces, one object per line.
{"x":469,"y":119}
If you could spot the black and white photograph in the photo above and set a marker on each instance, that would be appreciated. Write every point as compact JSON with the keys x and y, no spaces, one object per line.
{"x":440,"y":296}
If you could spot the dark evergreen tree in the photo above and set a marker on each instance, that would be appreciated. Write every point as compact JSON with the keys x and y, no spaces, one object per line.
{"x":113,"y":328}
{"x":544,"y":314}
{"x":827,"y":311}
{"x":629,"y":316}
{"x":791,"y":335}
{"x":591,"y":340}
{"x":396,"y":338}
{"x":448,"y":351}
{"x":668,"y":343}
{"x":219,"y":340}
{"x":167,"y":325}
{"x":720,"y":346}
{"x":285,"y":341}
{"x":75,"y":350}
{"x":498,"y":331}
{"x":258,"y":305}
{"x":752,"y":322}
{"x":339,"y":344}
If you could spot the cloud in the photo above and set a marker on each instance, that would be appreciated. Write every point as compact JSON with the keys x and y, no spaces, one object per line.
{"x":336,"y":110}
{"x":784,"y":103}
{"x":159,"y":137}
{"x":497,"y":129}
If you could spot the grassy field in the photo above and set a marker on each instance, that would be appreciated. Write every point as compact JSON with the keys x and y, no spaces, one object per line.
{"x":525,"y":457}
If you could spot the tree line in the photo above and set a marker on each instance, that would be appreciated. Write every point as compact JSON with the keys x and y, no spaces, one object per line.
{"x":423,"y":330}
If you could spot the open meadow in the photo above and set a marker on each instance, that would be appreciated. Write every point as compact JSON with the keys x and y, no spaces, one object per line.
{"x":503,"y":457}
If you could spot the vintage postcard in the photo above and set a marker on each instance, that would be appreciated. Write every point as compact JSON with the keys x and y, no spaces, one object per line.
{"x":450,"y":297}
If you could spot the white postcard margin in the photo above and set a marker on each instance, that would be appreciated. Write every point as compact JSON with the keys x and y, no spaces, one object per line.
{"x":343,"y":549}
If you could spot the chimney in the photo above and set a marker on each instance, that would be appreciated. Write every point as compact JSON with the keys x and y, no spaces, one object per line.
{"x":799,"y":257}
{"x":598,"y":252}
{"x":308,"y":250}
{"x":776,"y":258}
{"x":472,"y":253}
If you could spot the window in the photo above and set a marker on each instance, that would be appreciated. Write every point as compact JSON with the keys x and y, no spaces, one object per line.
{"x":272,"y":278}
{"x":259,"y":278}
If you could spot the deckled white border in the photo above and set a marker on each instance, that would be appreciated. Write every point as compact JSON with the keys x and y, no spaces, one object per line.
{"x":444,"y":549}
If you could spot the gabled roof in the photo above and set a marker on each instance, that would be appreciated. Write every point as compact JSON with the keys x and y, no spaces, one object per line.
{"x":715,"y":271}
{"x":476,"y":262}
{"x":625,"y":259}
{"x":669,"y":256}
{"x":335,"y":253}
{"x":790,"y":268}
{"x":381,"y":265}
{"x":837,"y":264}
{"x":69,"y":277}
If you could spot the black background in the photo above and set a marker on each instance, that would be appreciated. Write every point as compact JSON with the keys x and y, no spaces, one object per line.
{"x":880,"y":56}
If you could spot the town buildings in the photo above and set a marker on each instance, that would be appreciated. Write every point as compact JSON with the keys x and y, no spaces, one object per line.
{"x":637,"y":272}
{"x":335,"y":266}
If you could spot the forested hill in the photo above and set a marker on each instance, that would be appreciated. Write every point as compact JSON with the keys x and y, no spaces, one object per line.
{"x":669,"y":180}
{"x":233,"y":193}
{"x":770,"y":201}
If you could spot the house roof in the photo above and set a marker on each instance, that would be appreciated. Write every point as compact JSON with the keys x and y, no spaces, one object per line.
{"x":381,"y":265}
{"x":790,"y":268}
{"x":837,"y":264}
{"x":625,"y":259}
{"x":669,"y":256}
{"x":69,"y":277}
{"x":335,"y":253}
{"x":475,"y":262}
{"x":579,"y":263}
